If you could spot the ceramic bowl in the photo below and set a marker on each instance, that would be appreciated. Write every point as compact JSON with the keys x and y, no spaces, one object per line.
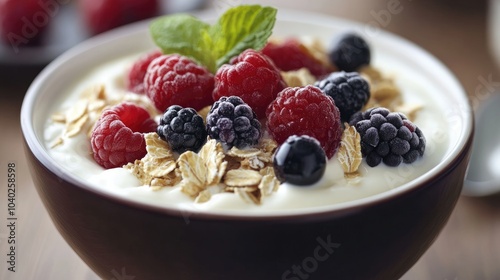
{"x":379,"y":237}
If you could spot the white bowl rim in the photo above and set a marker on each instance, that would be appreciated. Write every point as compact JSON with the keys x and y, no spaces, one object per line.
{"x":39,"y":152}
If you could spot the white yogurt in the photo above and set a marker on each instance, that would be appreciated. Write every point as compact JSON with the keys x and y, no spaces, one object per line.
{"x":74,"y":156}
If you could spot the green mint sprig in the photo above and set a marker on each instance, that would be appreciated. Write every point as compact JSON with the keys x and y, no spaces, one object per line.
{"x":239,"y":28}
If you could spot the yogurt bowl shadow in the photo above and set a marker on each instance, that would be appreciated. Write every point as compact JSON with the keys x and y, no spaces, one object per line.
{"x":377,"y":237}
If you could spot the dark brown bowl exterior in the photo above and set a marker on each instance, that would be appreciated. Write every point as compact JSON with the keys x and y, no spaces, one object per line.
{"x":381,"y":240}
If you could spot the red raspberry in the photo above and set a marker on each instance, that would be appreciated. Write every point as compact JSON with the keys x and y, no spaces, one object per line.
{"x":135,"y":77}
{"x":102,"y":15}
{"x":253,"y":77}
{"x":24,"y":22}
{"x":117,"y":138}
{"x":291,"y":54}
{"x":305,"y":111}
{"x":176,"y":80}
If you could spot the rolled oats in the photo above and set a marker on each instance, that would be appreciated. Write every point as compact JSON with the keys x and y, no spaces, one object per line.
{"x":249,"y":195}
{"x":349,"y":152}
{"x":298,"y":78}
{"x":242,"y":178}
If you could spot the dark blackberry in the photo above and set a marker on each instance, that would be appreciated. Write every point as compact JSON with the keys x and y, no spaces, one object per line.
{"x":350,"y":92}
{"x":388,"y":137}
{"x":349,"y":52}
{"x":232,"y":122}
{"x":300,"y":160}
{"x":182,"y":128}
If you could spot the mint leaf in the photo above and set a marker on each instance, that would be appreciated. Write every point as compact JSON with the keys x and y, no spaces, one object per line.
{"x":240,"y":28}
{"x":181,"y":33}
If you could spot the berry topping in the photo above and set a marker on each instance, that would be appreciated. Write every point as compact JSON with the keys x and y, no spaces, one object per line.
{"x":251,"y":76}
{"x":300,"y":160}
{"x":182,"y":128}
{"x":291,"y":54}
{"x":388,"y":137}
{"x":117,"y":138}
{"x":135,"y":77}
{"x":176,"y":80}
{"x":232,"y":122}
{"x":349,"y":91}
{"x":305,"y":111}
{"x":349,"y":52}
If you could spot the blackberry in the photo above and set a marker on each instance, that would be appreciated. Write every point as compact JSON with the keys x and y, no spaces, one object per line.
{"x":182,"y":128}
{"x":300,"y":160}
{"x":350,"y":92}
{"x":232,"y":122}
{"x":349,"y":52}
{"x":388,"y":137}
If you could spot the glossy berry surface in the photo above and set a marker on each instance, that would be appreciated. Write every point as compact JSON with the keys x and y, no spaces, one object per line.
{"x":300,"y":160}
{"x":349,"y":90}
{"x":135,"y":76}
{"x":305,"y":111}
{"x":176,"y":80}
{"x":291,"y":54}
{"x":349,"y":52}
{"x":232,"y":122}
{"x":182,"y":128}
{"x":118,"y":135}
{"x":388,"y":137}
{"x":253,"y":77}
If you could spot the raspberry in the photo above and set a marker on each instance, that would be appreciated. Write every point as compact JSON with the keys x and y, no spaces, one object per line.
{"x":349,"y":91}
{"x":291,"y":54}
{"x":117,"y":138}
{"x":305,"y":111}
{"x":102,"y":15}
{"x":388,"y":137}
{"x":300,"y":160}
{"x":251,"y":76}
{"x":23,"y":22}
{"x":233,"y":122}
{"x":135,"y":77}
{"x":182,"y":128}
{"x":349,"y":52}
{"x":176,"y":80}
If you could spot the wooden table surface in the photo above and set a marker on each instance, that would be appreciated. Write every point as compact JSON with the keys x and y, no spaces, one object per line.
{"x":467,"y":248}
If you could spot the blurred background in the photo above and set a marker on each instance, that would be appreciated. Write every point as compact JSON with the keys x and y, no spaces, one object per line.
{"x":464,"y":35}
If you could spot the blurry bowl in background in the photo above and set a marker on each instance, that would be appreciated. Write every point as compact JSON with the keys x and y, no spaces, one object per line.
{"x":21,"y":58}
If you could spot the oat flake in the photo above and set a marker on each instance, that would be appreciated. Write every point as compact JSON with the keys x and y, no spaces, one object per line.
{"x":349,"y":153}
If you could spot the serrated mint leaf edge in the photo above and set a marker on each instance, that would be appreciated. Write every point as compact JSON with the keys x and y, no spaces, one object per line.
{"x":263,"y":20}
{"x":175,"y":34}
{"x":168,"y":33}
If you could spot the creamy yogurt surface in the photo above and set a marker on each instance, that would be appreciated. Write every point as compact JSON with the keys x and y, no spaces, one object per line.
{"x":74,"y":154}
